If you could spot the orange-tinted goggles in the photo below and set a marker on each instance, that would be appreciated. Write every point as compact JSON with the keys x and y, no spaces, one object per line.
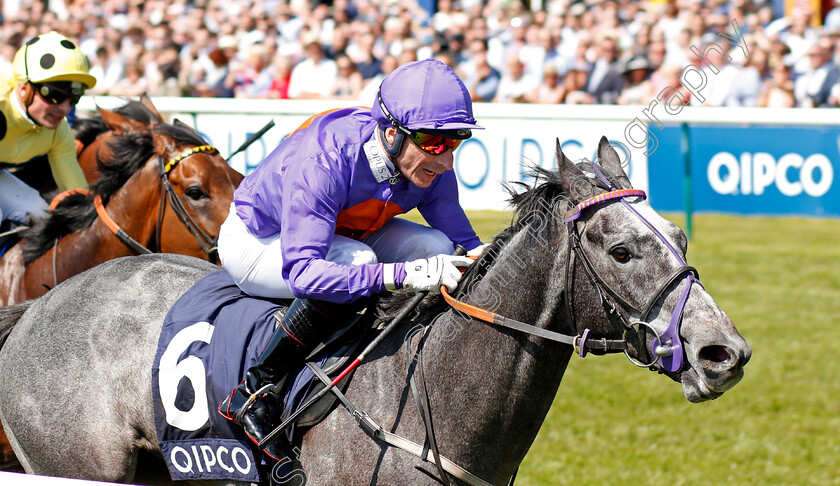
{"x":434,"y":144}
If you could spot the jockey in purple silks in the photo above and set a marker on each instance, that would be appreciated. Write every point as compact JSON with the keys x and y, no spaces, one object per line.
{"x":315,"y":220}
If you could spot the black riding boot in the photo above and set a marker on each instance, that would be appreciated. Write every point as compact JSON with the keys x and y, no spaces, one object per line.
{"x":299,"y":332}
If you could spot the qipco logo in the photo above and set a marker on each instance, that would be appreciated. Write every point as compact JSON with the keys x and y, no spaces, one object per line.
{"x":792,"y":174}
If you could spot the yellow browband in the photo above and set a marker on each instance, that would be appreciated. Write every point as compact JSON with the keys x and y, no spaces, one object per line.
{"x":201,"y":148}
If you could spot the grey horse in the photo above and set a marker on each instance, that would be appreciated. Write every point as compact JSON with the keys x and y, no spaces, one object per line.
{"x":75,"y":393}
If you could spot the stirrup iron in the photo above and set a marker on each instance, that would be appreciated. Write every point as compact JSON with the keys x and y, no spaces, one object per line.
{"x":240,"y":414}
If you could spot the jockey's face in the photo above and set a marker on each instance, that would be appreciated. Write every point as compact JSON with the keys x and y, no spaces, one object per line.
{"x":419,"y":166}
{"x":45,"y":114}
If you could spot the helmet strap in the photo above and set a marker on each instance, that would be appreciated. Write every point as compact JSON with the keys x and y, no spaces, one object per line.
{"x":392,"y":149}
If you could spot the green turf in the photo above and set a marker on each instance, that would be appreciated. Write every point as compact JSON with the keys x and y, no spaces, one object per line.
{"x":613,"y":423}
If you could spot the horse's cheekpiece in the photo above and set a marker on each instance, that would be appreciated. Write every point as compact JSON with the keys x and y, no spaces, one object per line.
{"x":211,"y":346}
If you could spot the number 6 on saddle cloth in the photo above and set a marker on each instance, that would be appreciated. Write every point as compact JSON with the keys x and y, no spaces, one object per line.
{"x":203,"y":352}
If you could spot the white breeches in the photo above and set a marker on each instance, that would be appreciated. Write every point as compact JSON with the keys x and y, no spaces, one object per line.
{"x":18,"y":201}
{"x":256,"y":264}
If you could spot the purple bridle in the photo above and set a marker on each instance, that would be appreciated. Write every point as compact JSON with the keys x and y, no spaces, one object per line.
{"x":668,"y":345}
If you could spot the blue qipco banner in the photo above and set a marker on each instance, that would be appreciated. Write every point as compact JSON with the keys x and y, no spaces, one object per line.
{"x":748,"y":169}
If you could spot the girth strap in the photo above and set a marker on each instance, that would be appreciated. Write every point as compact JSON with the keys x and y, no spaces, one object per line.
{"x":375,"y":431}
{"x":417,"y":381}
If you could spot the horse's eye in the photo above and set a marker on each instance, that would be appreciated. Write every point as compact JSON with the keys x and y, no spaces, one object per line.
{"x":195,"y":193}
{"x":621,"y":254}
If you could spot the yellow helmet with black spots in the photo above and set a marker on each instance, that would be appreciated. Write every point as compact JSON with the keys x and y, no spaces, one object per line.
{"x":51,"y":57}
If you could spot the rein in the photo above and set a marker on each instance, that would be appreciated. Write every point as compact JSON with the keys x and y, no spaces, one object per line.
{"x":206,"y":242}
{"x":667,"y":346}
{"x":115,"y":228}
{"x":581,"y":342}
{"x":104,"y":216}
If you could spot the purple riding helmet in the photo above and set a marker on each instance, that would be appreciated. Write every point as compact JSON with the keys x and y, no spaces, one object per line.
{"x":425,"y":96}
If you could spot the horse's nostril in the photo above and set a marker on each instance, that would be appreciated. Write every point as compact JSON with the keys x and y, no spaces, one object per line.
{"x":715,"y":354}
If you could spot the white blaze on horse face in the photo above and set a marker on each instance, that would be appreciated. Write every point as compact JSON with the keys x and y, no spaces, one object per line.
{"x":676,"y":239}
{"x":714,"y":349}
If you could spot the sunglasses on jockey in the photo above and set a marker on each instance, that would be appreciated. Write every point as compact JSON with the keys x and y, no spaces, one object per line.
{"x":433,"y":142}
{"x":58,"y":92}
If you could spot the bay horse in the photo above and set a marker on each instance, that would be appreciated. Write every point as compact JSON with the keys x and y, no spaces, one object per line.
{"x":144,"y":169}
{"x":95,"y":134}
{"x":586,"y":258}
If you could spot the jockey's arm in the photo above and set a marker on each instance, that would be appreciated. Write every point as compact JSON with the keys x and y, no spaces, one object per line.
{"x":63,"y":162}
{"x":311,"y":201}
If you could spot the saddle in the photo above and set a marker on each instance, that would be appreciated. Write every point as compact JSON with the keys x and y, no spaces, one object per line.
{"x":210,"y":337}
{"x":332,"y":355}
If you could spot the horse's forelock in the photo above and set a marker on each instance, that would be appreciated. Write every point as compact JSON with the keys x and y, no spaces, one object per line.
{"x":132,"y":149}
{"x":544,"y":199}
{"x":180,"y":134}
{"x":129,"y":152}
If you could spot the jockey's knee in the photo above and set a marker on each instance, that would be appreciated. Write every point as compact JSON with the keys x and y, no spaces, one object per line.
{"x":363,"y":257}
{"x":427,"y":244}
{"x":350,"y":252}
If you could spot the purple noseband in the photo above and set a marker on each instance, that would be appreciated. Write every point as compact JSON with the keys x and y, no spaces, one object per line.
{"x":667,"y":346}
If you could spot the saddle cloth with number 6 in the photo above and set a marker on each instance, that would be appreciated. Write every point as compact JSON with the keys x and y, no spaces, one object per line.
{"x":210,"y":337}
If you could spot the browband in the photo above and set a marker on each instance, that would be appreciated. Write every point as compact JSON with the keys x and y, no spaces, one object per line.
{"x":576,"y":211}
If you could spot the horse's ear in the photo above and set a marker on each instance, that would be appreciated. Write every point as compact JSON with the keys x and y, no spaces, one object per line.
{"x":609,"y":160}
{"x":163,"y":144}
{"x":146,"y":101}
{"x":116,"y":122}
{"x":573,"y":182}
{"x":179,"y":123}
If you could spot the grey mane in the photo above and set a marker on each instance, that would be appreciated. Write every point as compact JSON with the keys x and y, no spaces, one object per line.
{"x":532,"y":204}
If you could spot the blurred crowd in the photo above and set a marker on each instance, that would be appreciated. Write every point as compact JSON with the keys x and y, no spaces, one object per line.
{"x":570,"y":51}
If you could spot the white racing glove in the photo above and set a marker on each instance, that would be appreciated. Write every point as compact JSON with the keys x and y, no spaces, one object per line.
{"x":431,"y":273}
{"x":477,"y":251}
